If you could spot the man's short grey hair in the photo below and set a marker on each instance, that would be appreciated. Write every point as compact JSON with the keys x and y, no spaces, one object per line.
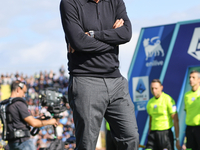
{"x":195,"y":71}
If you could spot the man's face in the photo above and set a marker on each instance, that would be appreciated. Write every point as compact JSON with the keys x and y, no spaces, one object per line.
{"x":156,"y":89}
{"x":194,"y":79}
{"x":22,"y":91}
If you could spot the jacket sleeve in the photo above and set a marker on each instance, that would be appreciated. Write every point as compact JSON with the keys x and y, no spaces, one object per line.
{"x":74,"y":32}
{"x":119,"y":35}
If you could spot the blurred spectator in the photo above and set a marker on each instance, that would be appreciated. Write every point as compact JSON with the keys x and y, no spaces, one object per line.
{"x":2,"y":79}
{"x":62,"y":70}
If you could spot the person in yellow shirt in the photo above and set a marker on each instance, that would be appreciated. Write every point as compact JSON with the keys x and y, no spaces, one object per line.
{"x":192,"y":108}
{"x":163,"y":116}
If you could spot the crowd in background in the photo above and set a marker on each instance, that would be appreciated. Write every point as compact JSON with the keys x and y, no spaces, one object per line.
{"x":36,"y":83}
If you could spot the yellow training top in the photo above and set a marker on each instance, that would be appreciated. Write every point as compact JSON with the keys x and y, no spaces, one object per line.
{"x":192,"y":107}
{"x":161,"y":110}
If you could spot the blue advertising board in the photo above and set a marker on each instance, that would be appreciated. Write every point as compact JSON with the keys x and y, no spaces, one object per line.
{"x":185,"y":52}
{"x":146,"y":65}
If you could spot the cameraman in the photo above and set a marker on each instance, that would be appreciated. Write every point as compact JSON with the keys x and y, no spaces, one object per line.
{"x":22,"y":119}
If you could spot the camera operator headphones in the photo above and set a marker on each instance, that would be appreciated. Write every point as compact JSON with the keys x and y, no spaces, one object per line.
{"x":21,"y":84}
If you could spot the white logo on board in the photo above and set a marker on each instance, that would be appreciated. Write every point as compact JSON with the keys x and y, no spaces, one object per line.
{"x":155,"y":49}
{"x":194,"y":48}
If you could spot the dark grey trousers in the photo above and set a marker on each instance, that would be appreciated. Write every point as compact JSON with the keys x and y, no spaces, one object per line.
{"x":91,"y":99}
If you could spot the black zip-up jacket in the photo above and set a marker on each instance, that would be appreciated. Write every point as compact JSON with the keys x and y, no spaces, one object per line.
{"x":98,"y":56}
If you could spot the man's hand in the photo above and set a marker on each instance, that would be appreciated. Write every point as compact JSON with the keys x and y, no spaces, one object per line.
{"x":70,"y":49}
{"x":54,"y":122}
{"x":178,"y":145}
{"x":87,"y":33}
{"x":118,"y":23}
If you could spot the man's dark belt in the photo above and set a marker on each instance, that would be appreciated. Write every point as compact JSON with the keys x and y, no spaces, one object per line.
{"x":19,"y":134}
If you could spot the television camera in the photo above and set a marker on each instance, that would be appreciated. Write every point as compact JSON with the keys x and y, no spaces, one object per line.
{"x":54,"y":100}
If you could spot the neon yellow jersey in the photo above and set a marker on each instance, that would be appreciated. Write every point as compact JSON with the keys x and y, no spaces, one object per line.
{"x":161,"y":110}
{"x":192,"y":107}
{"x":107,"y":126}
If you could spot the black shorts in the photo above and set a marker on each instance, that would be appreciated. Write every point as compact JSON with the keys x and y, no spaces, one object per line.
{"x":160,"y":140}
{"x":193,"y":137}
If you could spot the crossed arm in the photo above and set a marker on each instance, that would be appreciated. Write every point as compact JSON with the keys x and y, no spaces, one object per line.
{"x":104,"y":40}
{"x":117,"y":24}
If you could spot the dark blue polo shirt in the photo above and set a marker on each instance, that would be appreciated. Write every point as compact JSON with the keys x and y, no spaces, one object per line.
{"x":96,"y":56}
